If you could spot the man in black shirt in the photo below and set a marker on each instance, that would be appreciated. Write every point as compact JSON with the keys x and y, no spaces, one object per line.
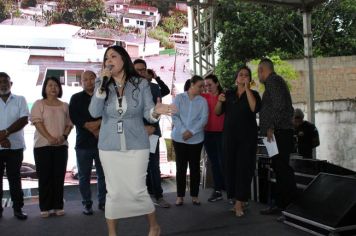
{"x":158,"y":91}
{"x":306,"y":133}
{"x":87,"y":143}
{"x":276,"y":116}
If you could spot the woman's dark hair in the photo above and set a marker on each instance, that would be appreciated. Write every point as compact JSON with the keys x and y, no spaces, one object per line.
{"x":195,"y":79}
{"x":129,"y":70}
{"x":56,"y":80}
{"x":214,"y":78}
{"x":244,"y":68}
{"x":191,"y":81}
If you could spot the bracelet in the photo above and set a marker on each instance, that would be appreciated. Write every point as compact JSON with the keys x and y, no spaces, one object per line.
{"x":6,"y":132}
{"x":65,"y":136}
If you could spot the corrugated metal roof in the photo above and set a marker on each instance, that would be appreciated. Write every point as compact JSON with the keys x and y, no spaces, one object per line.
{"x":58,"y":35}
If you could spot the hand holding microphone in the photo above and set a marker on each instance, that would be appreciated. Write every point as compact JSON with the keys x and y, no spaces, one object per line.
{"x":105,"y":75}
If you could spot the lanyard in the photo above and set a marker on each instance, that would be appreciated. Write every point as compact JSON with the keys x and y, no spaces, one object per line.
{"x":119,"y":97}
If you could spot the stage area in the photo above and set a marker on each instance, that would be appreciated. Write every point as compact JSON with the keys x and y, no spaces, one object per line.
{"x":209,"y":219}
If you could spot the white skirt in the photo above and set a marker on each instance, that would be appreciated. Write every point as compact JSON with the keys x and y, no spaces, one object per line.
{"x":125,"y":178}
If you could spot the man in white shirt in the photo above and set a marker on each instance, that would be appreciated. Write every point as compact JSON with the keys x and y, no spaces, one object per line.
{"x":14,"y":117}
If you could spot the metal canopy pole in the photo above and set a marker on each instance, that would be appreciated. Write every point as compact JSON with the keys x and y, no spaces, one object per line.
{"x":201,"y":26}
{"x":308,"y":60}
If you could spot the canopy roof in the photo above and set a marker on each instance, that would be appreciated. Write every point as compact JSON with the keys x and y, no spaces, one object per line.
{"x":302,"y":4}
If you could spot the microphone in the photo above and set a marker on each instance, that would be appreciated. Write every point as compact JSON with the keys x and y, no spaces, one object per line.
{"x":105,"y":80}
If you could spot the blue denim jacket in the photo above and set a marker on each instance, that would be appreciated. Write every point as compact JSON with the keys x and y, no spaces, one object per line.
{"x":139,"y":105}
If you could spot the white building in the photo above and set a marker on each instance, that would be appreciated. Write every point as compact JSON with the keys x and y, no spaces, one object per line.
{"x":49,"y":6}
{"x":138,"y":21}
{"x":139,"y":16}
{"x":54,"y":40}
{"x":137,"y":46}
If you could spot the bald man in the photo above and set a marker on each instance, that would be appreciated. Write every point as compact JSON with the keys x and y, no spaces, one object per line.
{"x":86,"y":146}
{"x":276,"y":116}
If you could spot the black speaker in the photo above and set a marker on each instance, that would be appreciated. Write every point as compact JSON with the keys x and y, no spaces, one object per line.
{"x":329,"y":202}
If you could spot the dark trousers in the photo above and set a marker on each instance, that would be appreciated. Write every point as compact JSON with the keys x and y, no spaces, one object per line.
{"x":214,"y":150}
{"x":12,"y":160}
{"x":286,"y":188}
{"x":153,"y":179}
{"x":51,"y":163}
{"x":240,"y":166}
{"x":187,"y":153}
{"x":85,"y":157}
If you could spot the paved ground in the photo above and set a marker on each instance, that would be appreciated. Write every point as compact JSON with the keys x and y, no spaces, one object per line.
{"x":212,"y":219}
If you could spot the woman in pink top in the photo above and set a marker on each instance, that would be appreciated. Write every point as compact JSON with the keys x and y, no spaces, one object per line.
{"x":213,"y":136}
{"x":51,"y":119}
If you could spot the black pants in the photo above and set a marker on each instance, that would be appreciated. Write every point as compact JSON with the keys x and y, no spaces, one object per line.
{"x":240,"y":166}
{"x":51,"y":163}
{"x":286,"y":188}
{"x":153,"y":178}
{"x":12,"y":160}
{"x":187,"y":153}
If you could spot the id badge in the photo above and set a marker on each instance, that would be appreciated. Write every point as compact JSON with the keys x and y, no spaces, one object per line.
{"x":119,"y":127}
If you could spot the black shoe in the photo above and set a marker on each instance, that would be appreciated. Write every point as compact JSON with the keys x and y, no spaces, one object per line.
{"x":215,"y":196}
{"x":101,"y":207}
{"x":196,"y":203}
{"x":19,"y":214}
{"x":88,"y":210}
{"x":271,"y":211}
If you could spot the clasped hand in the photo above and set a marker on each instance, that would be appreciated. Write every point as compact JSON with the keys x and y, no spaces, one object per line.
{"x":56,"y":141}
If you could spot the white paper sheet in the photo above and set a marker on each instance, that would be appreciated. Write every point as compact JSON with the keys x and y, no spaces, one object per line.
{"x":271,"y":147}
{"x":153,"y":142}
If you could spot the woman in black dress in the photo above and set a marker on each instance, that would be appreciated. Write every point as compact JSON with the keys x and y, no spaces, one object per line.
{"x":240,"y":106}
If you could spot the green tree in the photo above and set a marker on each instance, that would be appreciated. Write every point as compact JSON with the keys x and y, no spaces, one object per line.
{"x":159,"y":34}
{"x":85,"y":13}
{"x":175,"y":22}
{"x":3,"y":11}
{"x":282,"y":68}
{"x":251,"y":31}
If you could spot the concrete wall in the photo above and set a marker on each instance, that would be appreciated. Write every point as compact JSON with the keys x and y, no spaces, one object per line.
{"x":335,"y":106}
{"x":336,"y":122}
{"x":335,"y":79}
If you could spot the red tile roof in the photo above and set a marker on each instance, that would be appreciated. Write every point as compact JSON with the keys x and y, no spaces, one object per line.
{"x":142,"y":7}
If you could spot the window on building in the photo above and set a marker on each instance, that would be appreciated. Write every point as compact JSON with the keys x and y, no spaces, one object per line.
{"x":151,"y":14}
{"x":69,"y":77}
{"x":143,"y":13}
{"x":127,"y":21}
{"x":137,"y":22}
{"x":73,"y":77}
{"x":141,"y":22}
